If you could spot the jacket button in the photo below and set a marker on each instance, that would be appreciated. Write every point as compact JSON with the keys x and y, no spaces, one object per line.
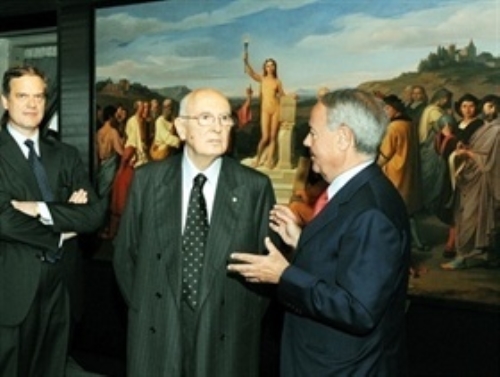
{"x":158,"y":256}
{"x":158,"y":295}
{"x":152,"y":330}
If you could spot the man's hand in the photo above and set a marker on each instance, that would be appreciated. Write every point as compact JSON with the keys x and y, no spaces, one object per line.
{"x":78,"y":197}
{"x":31,"y":208}
{"x":260,"y":268}
{"x":285,"y":223}
{"x":28,"y":208}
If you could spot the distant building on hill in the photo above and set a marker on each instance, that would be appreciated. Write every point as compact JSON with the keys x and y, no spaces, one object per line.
{"x":466,"y":54}
{"x":118,"y":89}
{"x":450,"y":55}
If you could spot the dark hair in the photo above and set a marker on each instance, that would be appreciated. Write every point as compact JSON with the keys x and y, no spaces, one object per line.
{"x":493,"y":98}
{"x":395,"y":102}
{"x":14,"y":73}
{"x":4,"y":119}
{"x":467,"y":97}
{"x":19,"y":71}
{"x":174,"y":109}
{"x":275,"y":66}
{"x":108,"y":113}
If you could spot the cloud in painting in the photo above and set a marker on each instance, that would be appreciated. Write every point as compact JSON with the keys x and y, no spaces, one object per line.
{"x":202,"y":45}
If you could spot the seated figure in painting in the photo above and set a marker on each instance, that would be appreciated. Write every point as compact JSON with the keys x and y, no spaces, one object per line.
{"x":165,"y":140}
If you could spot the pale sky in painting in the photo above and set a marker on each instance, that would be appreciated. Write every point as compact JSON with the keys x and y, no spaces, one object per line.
{"x":333,"y":43}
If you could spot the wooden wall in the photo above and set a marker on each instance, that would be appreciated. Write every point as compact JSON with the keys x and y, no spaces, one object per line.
{"x":74,"y":22}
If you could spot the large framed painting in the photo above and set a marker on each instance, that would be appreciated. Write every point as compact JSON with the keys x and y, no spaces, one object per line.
{"x":149,"y":55}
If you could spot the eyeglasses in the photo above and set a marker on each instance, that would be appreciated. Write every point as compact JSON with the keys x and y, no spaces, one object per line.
{"x":208,"y":119}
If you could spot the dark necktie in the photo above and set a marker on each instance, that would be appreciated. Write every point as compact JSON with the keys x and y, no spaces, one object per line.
{"x":44,"y":186}
{"x":193,"y":242}
{"x":39,"y":171}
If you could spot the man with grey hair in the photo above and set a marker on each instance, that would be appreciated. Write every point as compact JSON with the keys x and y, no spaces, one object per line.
{"x":345,"y":289}
{"x":184,"y":216}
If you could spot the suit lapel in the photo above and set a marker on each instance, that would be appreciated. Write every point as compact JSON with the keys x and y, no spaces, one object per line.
{"x":17,"y":163}
{"x":330,"y":213}
{"x":226,"y":209}
{"x":327,"y":215}
{"x":51,"y":161}
{"x":168,"y":210}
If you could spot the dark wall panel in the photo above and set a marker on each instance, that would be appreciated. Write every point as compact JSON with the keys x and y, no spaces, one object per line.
{"x":75,"y":72}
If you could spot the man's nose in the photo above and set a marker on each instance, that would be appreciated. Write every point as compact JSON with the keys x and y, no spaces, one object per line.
{"x":32,"y":101}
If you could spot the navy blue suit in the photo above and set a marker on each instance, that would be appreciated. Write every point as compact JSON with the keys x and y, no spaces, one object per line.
{"x":345,"y":291}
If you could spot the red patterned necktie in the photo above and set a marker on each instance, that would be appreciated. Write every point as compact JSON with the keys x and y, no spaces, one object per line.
{"x":320,"y":202}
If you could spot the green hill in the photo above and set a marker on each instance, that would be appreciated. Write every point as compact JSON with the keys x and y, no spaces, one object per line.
{"x":474,"y":78}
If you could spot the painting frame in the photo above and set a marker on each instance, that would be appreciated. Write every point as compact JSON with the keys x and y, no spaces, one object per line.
{"x":446,"y":62}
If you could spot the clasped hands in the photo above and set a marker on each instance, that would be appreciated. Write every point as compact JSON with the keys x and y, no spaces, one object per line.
{"x":463,"y":150}
{"x":269,"y":268}
{"x":31,"y":208}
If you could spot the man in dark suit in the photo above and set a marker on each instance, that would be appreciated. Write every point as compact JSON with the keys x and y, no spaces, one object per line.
{"x":45,"y":197}
{"x":345,"y":289}
{"x":210,"y":327}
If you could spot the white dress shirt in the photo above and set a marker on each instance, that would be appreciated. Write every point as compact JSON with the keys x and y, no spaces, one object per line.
{"x":189,"y":171}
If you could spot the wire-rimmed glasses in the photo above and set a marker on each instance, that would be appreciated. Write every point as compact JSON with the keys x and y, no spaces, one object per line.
{"x":209,"y":119}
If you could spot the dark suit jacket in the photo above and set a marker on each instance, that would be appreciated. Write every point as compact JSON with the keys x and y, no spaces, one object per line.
{"x":23,"y":237}
{"x":345,"y":291}
{"x":148,"y":268}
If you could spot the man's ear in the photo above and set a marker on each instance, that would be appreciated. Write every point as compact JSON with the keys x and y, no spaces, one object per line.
{"x":345,"y":137}
{"x":5,"y":103}
{"x":180,"y":128}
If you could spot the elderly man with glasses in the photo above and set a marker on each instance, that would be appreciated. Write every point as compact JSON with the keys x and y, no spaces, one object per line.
{"x":185,"y":215}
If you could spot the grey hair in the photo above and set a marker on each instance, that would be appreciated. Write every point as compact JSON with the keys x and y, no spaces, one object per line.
{"x":362,"y":113}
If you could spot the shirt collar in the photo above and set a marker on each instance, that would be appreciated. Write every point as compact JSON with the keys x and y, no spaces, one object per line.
{"x":345,"y":177}
{"x":20,"y":139}
{"x":189,"y":170}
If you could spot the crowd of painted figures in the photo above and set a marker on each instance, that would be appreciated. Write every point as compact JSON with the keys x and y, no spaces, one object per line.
{"x":442,"y":155}
{"x":127,"y":142}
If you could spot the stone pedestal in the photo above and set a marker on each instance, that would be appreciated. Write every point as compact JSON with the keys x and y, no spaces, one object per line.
{"x":285,"y":146}
{"x":288,"y":106}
